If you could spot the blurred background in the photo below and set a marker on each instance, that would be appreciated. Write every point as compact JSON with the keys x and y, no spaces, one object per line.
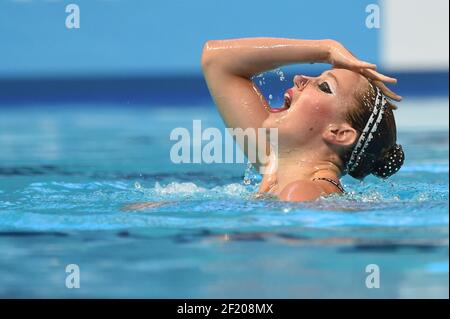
{"x":138,"y":51}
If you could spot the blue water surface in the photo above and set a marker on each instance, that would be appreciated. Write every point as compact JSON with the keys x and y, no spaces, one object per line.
{"x":67,"y":175}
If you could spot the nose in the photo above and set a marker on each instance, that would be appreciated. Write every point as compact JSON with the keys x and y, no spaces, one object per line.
{"x":300,"y":81}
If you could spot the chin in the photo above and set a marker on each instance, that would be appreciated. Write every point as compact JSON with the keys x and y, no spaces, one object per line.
{"x":269,"y":123}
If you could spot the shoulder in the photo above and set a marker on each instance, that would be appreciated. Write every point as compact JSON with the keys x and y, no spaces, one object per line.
{"x":301,"y":191}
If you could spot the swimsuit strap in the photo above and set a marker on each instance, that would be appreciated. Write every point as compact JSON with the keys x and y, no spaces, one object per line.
{"x":332,"y":181}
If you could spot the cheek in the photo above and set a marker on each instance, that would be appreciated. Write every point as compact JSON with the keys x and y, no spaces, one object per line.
{"x":307,"y":117}
{"x":316,"y":109}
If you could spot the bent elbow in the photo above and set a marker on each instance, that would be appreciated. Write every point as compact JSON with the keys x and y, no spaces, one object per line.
{"x":207,"y":54}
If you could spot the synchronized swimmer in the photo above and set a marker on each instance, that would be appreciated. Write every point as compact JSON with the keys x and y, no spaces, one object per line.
{"x":338,"y":123}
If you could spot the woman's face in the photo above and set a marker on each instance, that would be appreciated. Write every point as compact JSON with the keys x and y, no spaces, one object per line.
{"x":312,"y":105}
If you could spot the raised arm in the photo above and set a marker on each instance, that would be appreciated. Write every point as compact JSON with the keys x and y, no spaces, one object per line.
{"x":228,"y":66}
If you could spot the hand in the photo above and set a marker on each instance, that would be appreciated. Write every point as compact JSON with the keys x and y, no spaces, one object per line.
{"x":340,"y":57}
{"x":387,"y":92}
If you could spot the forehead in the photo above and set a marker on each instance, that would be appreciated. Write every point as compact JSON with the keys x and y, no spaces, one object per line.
{"x":348,"y":82}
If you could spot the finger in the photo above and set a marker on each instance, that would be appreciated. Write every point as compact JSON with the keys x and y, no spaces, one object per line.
{"x":353,"y":63}
{"x":356,"y":66}
{"x":378,"y":76}
{"x":362,"y":64}
{"x":366,"y":65}
{"x":386,"y":91}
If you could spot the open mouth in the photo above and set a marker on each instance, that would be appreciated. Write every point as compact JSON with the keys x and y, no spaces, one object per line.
{"x":287,"y":102}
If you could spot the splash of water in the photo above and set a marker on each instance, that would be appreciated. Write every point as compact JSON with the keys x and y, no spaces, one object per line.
{"x":251,"y":177}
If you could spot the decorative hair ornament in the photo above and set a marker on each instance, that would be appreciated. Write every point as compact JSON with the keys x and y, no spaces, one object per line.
{"x":391,"y":163}
{"x":370,"y":129}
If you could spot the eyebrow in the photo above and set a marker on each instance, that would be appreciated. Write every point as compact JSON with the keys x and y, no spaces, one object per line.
{"x":334,"y":77}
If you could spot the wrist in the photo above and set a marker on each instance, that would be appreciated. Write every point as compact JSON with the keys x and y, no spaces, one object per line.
{"x":325,"y":48}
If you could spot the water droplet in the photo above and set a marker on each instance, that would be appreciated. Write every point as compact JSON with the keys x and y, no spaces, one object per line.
{"x":280,"y":74}
{"x":250,"y":175}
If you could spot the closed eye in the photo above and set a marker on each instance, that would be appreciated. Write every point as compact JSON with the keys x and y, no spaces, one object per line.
{"x":324,"y":87}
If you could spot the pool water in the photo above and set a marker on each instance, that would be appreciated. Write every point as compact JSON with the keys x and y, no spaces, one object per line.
{"x":66,"y":174}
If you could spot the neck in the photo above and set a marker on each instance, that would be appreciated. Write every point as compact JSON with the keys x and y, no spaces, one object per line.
{"x":296,"y":164}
